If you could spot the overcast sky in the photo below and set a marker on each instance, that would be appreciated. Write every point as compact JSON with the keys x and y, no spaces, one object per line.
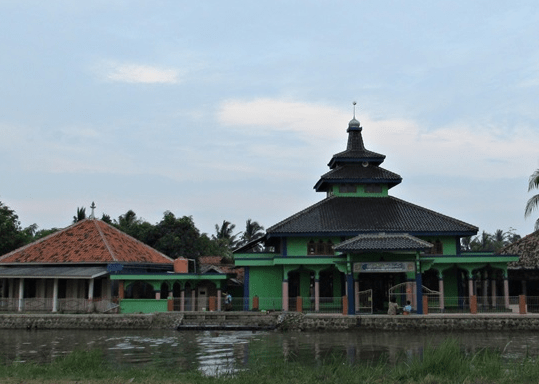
{"x":232,"y":110}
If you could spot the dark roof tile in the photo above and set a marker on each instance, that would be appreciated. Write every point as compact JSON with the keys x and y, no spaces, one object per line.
{"x":354,"y":215}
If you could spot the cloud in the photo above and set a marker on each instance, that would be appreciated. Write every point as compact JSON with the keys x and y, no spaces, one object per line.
{"x":485,"y":151}
{"x":136,"y":73}
{"x":461,"y":150}
{"x":311,"y":120}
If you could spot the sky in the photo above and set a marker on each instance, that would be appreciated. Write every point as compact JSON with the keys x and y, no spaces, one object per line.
{"x":232,"y":110}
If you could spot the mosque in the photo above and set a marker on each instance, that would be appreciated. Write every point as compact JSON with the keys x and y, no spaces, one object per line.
{"x":362,"y":245}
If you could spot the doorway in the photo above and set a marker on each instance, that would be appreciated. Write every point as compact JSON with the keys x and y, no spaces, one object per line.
{"x":380,"y":284}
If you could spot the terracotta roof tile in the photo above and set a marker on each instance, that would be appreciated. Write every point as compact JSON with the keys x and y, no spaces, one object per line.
{"x":528,"y":250}
{"x":88,"y":241}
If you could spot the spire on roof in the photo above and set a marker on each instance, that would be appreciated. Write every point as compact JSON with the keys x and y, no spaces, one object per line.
{"x":92,"y":215}
{"x":354,"y":124}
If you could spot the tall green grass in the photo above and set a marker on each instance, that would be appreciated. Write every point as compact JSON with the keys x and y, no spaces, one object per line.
{"x":444,"y":364}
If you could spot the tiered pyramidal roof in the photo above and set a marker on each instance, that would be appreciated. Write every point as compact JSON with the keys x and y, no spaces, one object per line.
{"x":356,"y":165}
{"x":357,"y":201}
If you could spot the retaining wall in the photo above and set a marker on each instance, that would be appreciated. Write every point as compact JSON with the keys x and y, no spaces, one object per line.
{"x":291,"y":321}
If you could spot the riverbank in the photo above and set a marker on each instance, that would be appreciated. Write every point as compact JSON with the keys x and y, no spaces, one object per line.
{"x":291,"y":321}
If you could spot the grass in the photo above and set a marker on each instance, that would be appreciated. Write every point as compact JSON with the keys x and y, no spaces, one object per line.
{"x":445,"y":364}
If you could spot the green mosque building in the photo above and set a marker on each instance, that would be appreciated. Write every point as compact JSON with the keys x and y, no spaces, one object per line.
{"x":360,"y":246}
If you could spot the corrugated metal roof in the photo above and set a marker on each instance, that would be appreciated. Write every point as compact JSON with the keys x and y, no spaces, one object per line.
{"x":67,"y":272}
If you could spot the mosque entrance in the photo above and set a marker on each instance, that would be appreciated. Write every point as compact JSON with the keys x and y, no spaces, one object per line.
{"x":380,"y":283}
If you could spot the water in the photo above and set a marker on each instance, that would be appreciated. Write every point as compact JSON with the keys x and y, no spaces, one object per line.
{"x":214,"y":352}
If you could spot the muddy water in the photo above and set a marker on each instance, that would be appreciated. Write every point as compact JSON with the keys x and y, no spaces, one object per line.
{"x":213,"y":352}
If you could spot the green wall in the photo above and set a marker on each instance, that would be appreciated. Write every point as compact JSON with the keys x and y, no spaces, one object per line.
{"x":143,"y":305}
{"x":297,"y":246}
{"x":360,"y":192}
{"x":265,"y":282}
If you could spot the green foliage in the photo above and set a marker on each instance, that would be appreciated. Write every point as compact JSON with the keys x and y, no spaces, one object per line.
{"x":11,"y":234}
{"x":253,"y":231}
{"x":81,"y":214}
{"x":487,"y":242}
{"x":533,"y":202}
{"x":445,"y":364}
{"x":225,"y":234}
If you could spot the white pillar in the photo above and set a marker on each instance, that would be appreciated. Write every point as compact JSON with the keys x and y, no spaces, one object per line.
{"x":285,"y":295}
{"x":356,"y":294}
{"x":470,"y":286}
{"x":484,"y":285}
{"x":219,"y":299}
{"x":4,"y":287}
{"x":21,"y":295}
{"x":506,"y":291}
{"x":317,"y":295}
{"x":42,"y":288}
{"x":182,"y":300}
{"x":441,"y":290}
{"x":493,"y":292}
{"x":91,"y":289}
{"x":55,"y":296}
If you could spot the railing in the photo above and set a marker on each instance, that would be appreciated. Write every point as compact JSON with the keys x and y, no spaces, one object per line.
{"x":270,"y":303}
{"x":365,"y":302}
{"x":475,"y":304}
{"x":497,"y":304}
{"x":326,"y":305}
{"x":70,"y":305}
{"x":532,"y":304}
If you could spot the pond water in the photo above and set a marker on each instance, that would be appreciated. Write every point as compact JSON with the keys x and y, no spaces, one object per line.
{"x":214,"y":352}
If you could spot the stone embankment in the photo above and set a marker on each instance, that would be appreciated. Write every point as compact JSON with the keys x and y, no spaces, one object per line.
{"x":291,"y":321}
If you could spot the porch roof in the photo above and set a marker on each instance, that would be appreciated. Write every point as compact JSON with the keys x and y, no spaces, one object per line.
{"x":383,"y":242}
{"x":61,"y":272}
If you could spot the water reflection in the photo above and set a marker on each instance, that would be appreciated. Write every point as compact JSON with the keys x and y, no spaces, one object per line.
{"x":219,"y":352}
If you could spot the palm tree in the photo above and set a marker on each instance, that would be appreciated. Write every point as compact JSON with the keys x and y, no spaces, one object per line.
{"x":533,"y":202}
{"x":81,"y":215}
{"x":482,"y":243}
{"x":225,"y":233}
{"x":253,"y":231}
{"x":466,"y":243}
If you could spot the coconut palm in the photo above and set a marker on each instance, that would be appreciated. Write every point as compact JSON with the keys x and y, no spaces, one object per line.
{"x":81,"y":215}
{"x":253,"y":231}
{"x":533,"y":202}
{"x":224,"y":232}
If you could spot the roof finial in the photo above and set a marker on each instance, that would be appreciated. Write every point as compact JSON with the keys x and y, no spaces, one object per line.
{"x":354,"y":103}
{"x":92,"y":216}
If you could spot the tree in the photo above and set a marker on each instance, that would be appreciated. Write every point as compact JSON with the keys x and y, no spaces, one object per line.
{"x":225,"y":233}
{"x":81,"y":215}
{"x":179,"y":237}
{"x":481,"y":243}
{"x":106,"y":218}
{"x":253,"y":231}
{"x":533,"y":202}
{"x":11,"y":234}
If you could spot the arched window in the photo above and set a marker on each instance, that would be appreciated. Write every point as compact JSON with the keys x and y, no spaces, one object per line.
{"x":311,"y":249}
{"x":329,"y":248}
{"x":438,"y":247}
{"x":320,"y":247}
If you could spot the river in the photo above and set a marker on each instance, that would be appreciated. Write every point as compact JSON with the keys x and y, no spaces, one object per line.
{"x":214,"y":352}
